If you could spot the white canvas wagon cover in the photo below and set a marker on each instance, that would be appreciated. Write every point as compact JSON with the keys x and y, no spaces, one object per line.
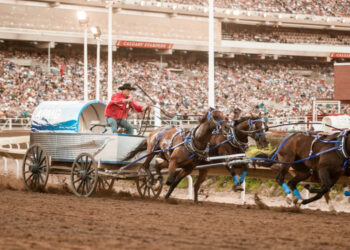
{"x":67,"y":116}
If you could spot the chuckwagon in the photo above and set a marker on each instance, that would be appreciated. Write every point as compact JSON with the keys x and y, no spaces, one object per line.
{"x":71,"y":138}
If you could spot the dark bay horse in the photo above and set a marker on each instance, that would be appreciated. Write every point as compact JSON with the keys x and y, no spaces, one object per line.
{"x":327,"y":157}
{"x":234,"y":143}
{"x":188,"y":150}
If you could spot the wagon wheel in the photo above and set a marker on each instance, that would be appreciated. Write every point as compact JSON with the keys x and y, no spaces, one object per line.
{"x":105,"y":184}
{"x":84,"y":175}
{"x":35,"y":168}
{"x":147,"y":185}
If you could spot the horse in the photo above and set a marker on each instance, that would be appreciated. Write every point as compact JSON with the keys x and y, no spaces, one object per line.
{"x":324,"y":158}
{"x":180,"y":149}
{"x":234,"y":143}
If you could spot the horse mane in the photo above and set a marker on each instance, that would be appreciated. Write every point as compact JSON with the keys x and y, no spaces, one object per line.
{"x":204,"y":117}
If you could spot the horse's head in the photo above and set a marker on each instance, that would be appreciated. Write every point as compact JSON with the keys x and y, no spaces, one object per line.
{"x":254,"y":127}
{"x":216,"y":120}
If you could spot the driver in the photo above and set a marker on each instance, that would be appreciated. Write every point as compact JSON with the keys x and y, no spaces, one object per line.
{"x":118,"y":108}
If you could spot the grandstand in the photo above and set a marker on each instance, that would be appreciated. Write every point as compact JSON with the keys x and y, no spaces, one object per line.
{"x":271,"y":57}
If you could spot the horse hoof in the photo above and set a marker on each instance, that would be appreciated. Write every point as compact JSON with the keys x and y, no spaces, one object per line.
{"x":237,"y":188}
{"x":289,"y":199}
{"x":297,"y":202}
{"x":157,"y":187}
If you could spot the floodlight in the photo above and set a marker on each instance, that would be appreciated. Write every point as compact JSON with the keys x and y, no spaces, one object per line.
{"x":82,"y":17}
{"x":96,"y":31}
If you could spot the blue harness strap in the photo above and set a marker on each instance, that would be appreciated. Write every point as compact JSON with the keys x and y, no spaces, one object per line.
{"x":344,"y":165}
{"x":160,"y":137}
{"x":298,"y":161}
{"x":261,"y":133}
{"x":221,"y":143}
{"x":280,"y":147}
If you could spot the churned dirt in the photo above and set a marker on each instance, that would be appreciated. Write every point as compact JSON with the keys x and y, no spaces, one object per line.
{"x":57,"y":219}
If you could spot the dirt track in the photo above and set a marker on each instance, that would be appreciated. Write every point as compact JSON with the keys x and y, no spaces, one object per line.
{"x":60,"y":220}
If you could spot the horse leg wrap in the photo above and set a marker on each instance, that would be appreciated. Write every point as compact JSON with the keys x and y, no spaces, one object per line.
{"x":347,"y":193}
{"x":286,"y":188}
{"x":297,"y":194}
{"x":244,"y":174}
{"x":236,"y":180}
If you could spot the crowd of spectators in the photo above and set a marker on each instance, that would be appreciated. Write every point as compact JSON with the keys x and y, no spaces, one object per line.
{"x":337,"y":8}
{"x":272,"y":88}
{"x":283,"y":35}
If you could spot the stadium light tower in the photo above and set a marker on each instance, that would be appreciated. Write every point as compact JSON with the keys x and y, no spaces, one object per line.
{"x":110,"y":14}
{"x":83,"y":20}
{"x":96,"y":31}
{"x":211,"y":87}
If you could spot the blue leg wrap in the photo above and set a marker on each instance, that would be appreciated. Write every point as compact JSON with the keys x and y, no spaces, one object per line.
{"x":236,"y":180}
{"x":347,"y":193}
{"x":286,"y":188}
{"x":297,"y":194}
{"x":244,"y":174}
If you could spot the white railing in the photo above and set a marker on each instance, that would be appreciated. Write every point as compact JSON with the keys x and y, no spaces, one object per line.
{"x":178,"y":123}
{"x":236,"y":12}
{"x":10,"y":149}
{"x":10,"y":123}
{"x":288,"y":120}
{"x":271,"y":122}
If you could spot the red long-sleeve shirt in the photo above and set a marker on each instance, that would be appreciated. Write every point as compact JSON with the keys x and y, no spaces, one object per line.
{"x":116,"y":108}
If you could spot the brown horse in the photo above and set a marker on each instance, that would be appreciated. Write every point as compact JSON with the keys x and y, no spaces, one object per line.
{"x":234,"y":143}
{"x":179,"y":149}
{"x":327,"y":157}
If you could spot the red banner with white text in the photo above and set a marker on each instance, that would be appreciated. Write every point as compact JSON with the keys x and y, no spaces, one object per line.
{"x":340,"y":55}
{"x":147,"y":45}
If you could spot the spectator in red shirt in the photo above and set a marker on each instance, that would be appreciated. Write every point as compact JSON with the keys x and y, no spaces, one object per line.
{"x":118,"y":108}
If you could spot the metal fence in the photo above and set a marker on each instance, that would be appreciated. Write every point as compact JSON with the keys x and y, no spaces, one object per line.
{"x":11,"y":123}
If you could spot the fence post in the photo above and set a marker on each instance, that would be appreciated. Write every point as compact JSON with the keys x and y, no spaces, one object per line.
{"x":243,"y":193}
{"x":157,"y":118}
{"x":307,"y":195}
{"x":17,"y":169}
{"x":190,"y":187}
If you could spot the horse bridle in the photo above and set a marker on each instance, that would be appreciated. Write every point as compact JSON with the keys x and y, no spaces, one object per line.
{"x":256,"y":133}
{"x":218,"y":123}
{"x":233,"y":140}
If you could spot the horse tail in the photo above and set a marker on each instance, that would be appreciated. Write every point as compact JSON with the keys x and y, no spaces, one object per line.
{"x":140,"y":148}
{"x":265,"y":156}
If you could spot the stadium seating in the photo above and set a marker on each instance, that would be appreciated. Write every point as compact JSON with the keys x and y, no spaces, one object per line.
{"x":275,"y":88}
